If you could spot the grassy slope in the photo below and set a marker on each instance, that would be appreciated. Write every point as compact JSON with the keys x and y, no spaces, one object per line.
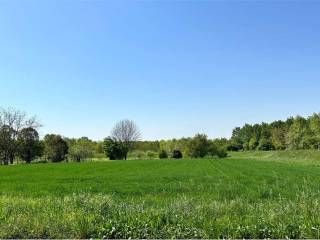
{"x":238,"y":197}
{"x":299,"y":156}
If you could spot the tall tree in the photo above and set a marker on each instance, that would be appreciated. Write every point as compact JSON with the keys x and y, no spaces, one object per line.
{"x":80,"y":149}
{"x":55,"y":148}
{"x":199,"y":146}
{"x":314,"y":139}
{"x":29,"y":144}
{"x":11,"y":123}
{"x":298,"y":132}
{"x":127,"y":133}
{"x":279,"y":131}
{"x":7,"y":144}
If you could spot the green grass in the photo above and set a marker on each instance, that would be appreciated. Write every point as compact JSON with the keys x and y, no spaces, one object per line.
{"x":299,"y":156}
{"x":244,"y":196}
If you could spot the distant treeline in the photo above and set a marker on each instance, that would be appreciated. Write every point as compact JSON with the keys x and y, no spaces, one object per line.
{"x":295,"y":133}
{"x":19,"y":141}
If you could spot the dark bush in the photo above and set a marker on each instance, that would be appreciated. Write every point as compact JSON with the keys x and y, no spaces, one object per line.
{"x":177,"y":154}
{"x":163,"y":154}
{"x":55,"y":148}
{"x":113,"y":149}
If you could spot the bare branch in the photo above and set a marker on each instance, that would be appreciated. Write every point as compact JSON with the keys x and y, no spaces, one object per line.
{"x":126,"y":131}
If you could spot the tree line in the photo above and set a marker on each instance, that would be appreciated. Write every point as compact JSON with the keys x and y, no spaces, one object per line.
{"x":295,"y":133}
{"x":20,"y":141}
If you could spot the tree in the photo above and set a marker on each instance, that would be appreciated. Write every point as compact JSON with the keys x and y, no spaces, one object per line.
{"x":299,"y":130}
{"x":236,"y":140}
{"x":126,"y":133}
{"x":214,"y":145}
{"x":29,"y":144}
{"x":80,"y":149}
{"x":221,"y":152}
{"x":7,"y":144}
{"x":114,"y":150}
{"x":314,"y":122}
{"x":55,"y":148}
{"x":99,"y":148}
{"x":265,"y":144}
{"x":11,"y":123}
{"x":199,"y":146}
{"x":279,"y":131}
{"x":253,"y":143}
{"x":163,"y":154}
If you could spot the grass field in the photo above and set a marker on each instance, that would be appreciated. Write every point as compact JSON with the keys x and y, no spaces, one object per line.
{"x":248,"y":195}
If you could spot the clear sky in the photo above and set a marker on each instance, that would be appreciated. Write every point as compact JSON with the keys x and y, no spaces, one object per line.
{"x":174,"y":67}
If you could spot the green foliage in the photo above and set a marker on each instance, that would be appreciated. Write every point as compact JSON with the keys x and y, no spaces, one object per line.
{"x":170,"y":145}
{"x":213,"y":146}
{"x":81,"y":149}
{"x":152,"y":155}
{"x":199,"y":146}
{"x":315,"y":131}
{"x":253,"y":143}
{"x":298,"y":132}
{"x":265,"y":144}
{"x":98,"y":148}
{"x":221,"y":152}
{"x":29,"y":146}
{"x":279,"y":131}
{"x":147,"y":146}
{"x":55,"y":148}
{"x":114,"y":150}
{"x":7,"y":144}
{"x":294,"y":133}
{"x":137,"y":154}
{"x":163,"y":154}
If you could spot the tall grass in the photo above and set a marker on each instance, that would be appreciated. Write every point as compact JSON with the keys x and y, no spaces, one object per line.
{"x":103,"y":216}
{"x":229,"y":198}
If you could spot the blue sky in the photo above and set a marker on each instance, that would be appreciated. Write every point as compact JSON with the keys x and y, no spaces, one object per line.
{"x":174,"y":67}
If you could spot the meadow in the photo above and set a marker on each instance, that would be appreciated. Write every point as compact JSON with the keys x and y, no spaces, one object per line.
{"x":247,"y":195}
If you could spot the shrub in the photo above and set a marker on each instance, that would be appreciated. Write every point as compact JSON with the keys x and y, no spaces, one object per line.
{"x":113,"y":149}
{"x":199,"y":146}
{"x":137,"y":154}
{"x":222,"y":152}
{"x":151,"y":154}
{"x":265,"y":145}
{"x":81,"y":149}
{"x":163,"y":154}
{"x":177,"y":154}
